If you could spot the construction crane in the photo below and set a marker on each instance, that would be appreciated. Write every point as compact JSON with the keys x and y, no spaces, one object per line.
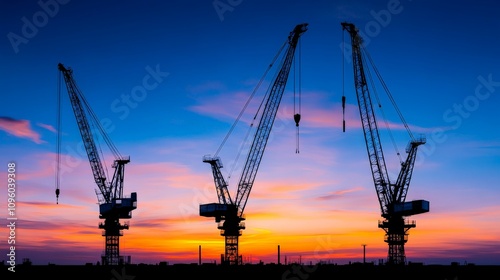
{"x":228,"y":212}
{"x":391,"y":195}
{"x":113,"y":206}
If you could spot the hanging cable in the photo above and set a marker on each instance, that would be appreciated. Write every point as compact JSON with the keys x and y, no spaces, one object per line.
{"x":105,"y":165}
{"x":343,"y":84}
{"x":240,"y":151}
{"x":389,"y":95}
{"x":296,"y":115}
{"x":250,"y":128}
{"x":97,"y":123}
{"x":381,"y":109}
{"x":58,"y":140}
{"x":249,"y":99}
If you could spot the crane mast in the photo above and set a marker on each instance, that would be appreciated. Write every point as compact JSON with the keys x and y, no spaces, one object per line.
{"x":229,"y":213}
{"x":391,"y":196}
{"x":112,"y":204}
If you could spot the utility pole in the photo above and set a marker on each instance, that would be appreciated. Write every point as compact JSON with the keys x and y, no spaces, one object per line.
{"x":364,"y":253}
{"x":279,"y":255}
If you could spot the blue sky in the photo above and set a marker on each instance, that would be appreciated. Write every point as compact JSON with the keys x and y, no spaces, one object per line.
{"x":199,"y":64}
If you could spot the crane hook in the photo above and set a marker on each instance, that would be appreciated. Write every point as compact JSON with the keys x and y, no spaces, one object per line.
{"x":57,"y":196}
{"x":296,"y":117}
{"x":343,"y":113}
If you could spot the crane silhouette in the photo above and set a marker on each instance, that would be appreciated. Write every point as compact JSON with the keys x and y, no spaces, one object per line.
{"x":113,"y":206}
{"x":391,"y":195}
{"x":228,"y":212}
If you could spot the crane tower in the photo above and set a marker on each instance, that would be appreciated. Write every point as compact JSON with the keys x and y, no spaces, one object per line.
{"x":113,"y":206}
{"x":228,"y":212}
{"x":391,"y":195}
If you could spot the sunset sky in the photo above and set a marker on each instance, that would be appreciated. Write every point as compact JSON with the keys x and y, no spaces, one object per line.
{"x":197,"y":62}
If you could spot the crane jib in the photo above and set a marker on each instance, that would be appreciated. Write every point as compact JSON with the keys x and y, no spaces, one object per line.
{"x":109,"y":191}
{"x":266,"y":122}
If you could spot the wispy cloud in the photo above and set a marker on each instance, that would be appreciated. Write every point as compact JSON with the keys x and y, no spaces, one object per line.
{"x":19,"y":128}
{"x":222,"y":106}
{"x":47,"y":126}
{"x":205,"y":88}
{"x":481,"y":147}
{"x":338,"y":194}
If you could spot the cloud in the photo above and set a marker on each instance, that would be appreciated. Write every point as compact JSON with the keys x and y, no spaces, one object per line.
{"x":477,"y":148}
{"x":338,"y":194}
{"x":19,"y":128}
{"x":233,"y":102}
{"x":205,"y":88}
{"x":47,"y":126}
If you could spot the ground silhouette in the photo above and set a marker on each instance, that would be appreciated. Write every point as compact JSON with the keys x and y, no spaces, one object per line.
{"x":252,"y":271}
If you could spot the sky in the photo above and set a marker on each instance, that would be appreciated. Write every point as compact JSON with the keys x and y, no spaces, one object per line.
{"x":169,"y":78}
